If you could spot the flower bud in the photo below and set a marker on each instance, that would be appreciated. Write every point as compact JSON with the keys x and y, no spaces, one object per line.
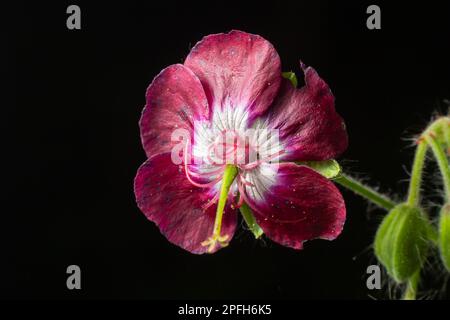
{"x":444,"y":235}
{"x":401,"y":241}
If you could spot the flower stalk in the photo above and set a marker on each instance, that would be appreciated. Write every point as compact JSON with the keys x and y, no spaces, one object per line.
{"x":364,"y":191}
{"x":442,"y":161}
{"x":416,"y":174}
{"x":251,"y":221}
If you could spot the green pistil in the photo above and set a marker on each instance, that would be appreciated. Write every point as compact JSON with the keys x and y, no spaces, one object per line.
{"x":229,"y":175}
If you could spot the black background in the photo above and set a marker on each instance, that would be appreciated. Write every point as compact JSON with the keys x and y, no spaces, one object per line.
{"x":71,"y":141}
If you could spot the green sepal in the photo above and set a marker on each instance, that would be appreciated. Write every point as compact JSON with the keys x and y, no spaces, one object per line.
{"x":329,"y":169}
{"x":291,"y":77}
{"x":401,"y":242}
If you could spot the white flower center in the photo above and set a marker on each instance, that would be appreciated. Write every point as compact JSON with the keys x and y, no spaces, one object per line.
{"x":226,"y":140}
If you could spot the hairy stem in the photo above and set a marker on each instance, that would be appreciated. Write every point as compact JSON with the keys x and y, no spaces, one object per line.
{"x":366,"y":192}
{"x":416,"y":174}
{"x":251,"y":221}
{"x":442,"y":161}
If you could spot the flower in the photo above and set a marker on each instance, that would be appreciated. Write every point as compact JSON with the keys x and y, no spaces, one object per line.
{"x":229,"y":85}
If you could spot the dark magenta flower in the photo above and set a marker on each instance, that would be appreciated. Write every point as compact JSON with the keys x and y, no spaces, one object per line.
{"x":229,"y":87}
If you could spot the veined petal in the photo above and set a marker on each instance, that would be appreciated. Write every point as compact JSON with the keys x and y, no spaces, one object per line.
{"x":178,"y":208}
{"x":297,"y":205}
{"x":309,"y":125}
{"x":175,"y":99}
{"x":237,"y":69}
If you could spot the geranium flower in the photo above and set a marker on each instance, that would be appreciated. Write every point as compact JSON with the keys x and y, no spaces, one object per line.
{"x":230,"y":84}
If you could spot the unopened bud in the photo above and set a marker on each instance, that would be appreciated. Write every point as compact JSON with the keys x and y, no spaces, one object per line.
{"x":401,"y":241}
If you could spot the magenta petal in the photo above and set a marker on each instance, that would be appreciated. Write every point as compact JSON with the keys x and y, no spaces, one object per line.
{"x":302,"y":205}
{"x":309,"y":126}
{"x":237,"y":69}
{"x":175,"y":99}
{"x":167,"y":198}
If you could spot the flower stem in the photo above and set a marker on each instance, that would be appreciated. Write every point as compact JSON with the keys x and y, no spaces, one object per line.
{"x":442,"y":161}
{"x":365,"y":191}
{"x":446,"y":133}
{"x":416,"y":174}
{"x":411,"y":287}
{"x":251,"y":221}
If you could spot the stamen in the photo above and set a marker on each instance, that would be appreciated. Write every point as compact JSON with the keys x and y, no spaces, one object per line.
{"x":226,"y":151}
{"x":208,"y":154}
{"x":244,"y":181}
{"x":206,"y":174}
{"x":242,"y":194}
{"x":211,"y":202}
{"x":254,"y":164}
{"x":187,"y":172}
{"x":240,"y":202}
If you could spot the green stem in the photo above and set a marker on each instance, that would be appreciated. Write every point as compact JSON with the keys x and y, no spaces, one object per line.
{"x":364,"y":191}
{"x":411,"y":287}
{"x":442,"y":161}
{"x":446,"y":133}
{"x":416,"y":174}
{"x":251,"y":221}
